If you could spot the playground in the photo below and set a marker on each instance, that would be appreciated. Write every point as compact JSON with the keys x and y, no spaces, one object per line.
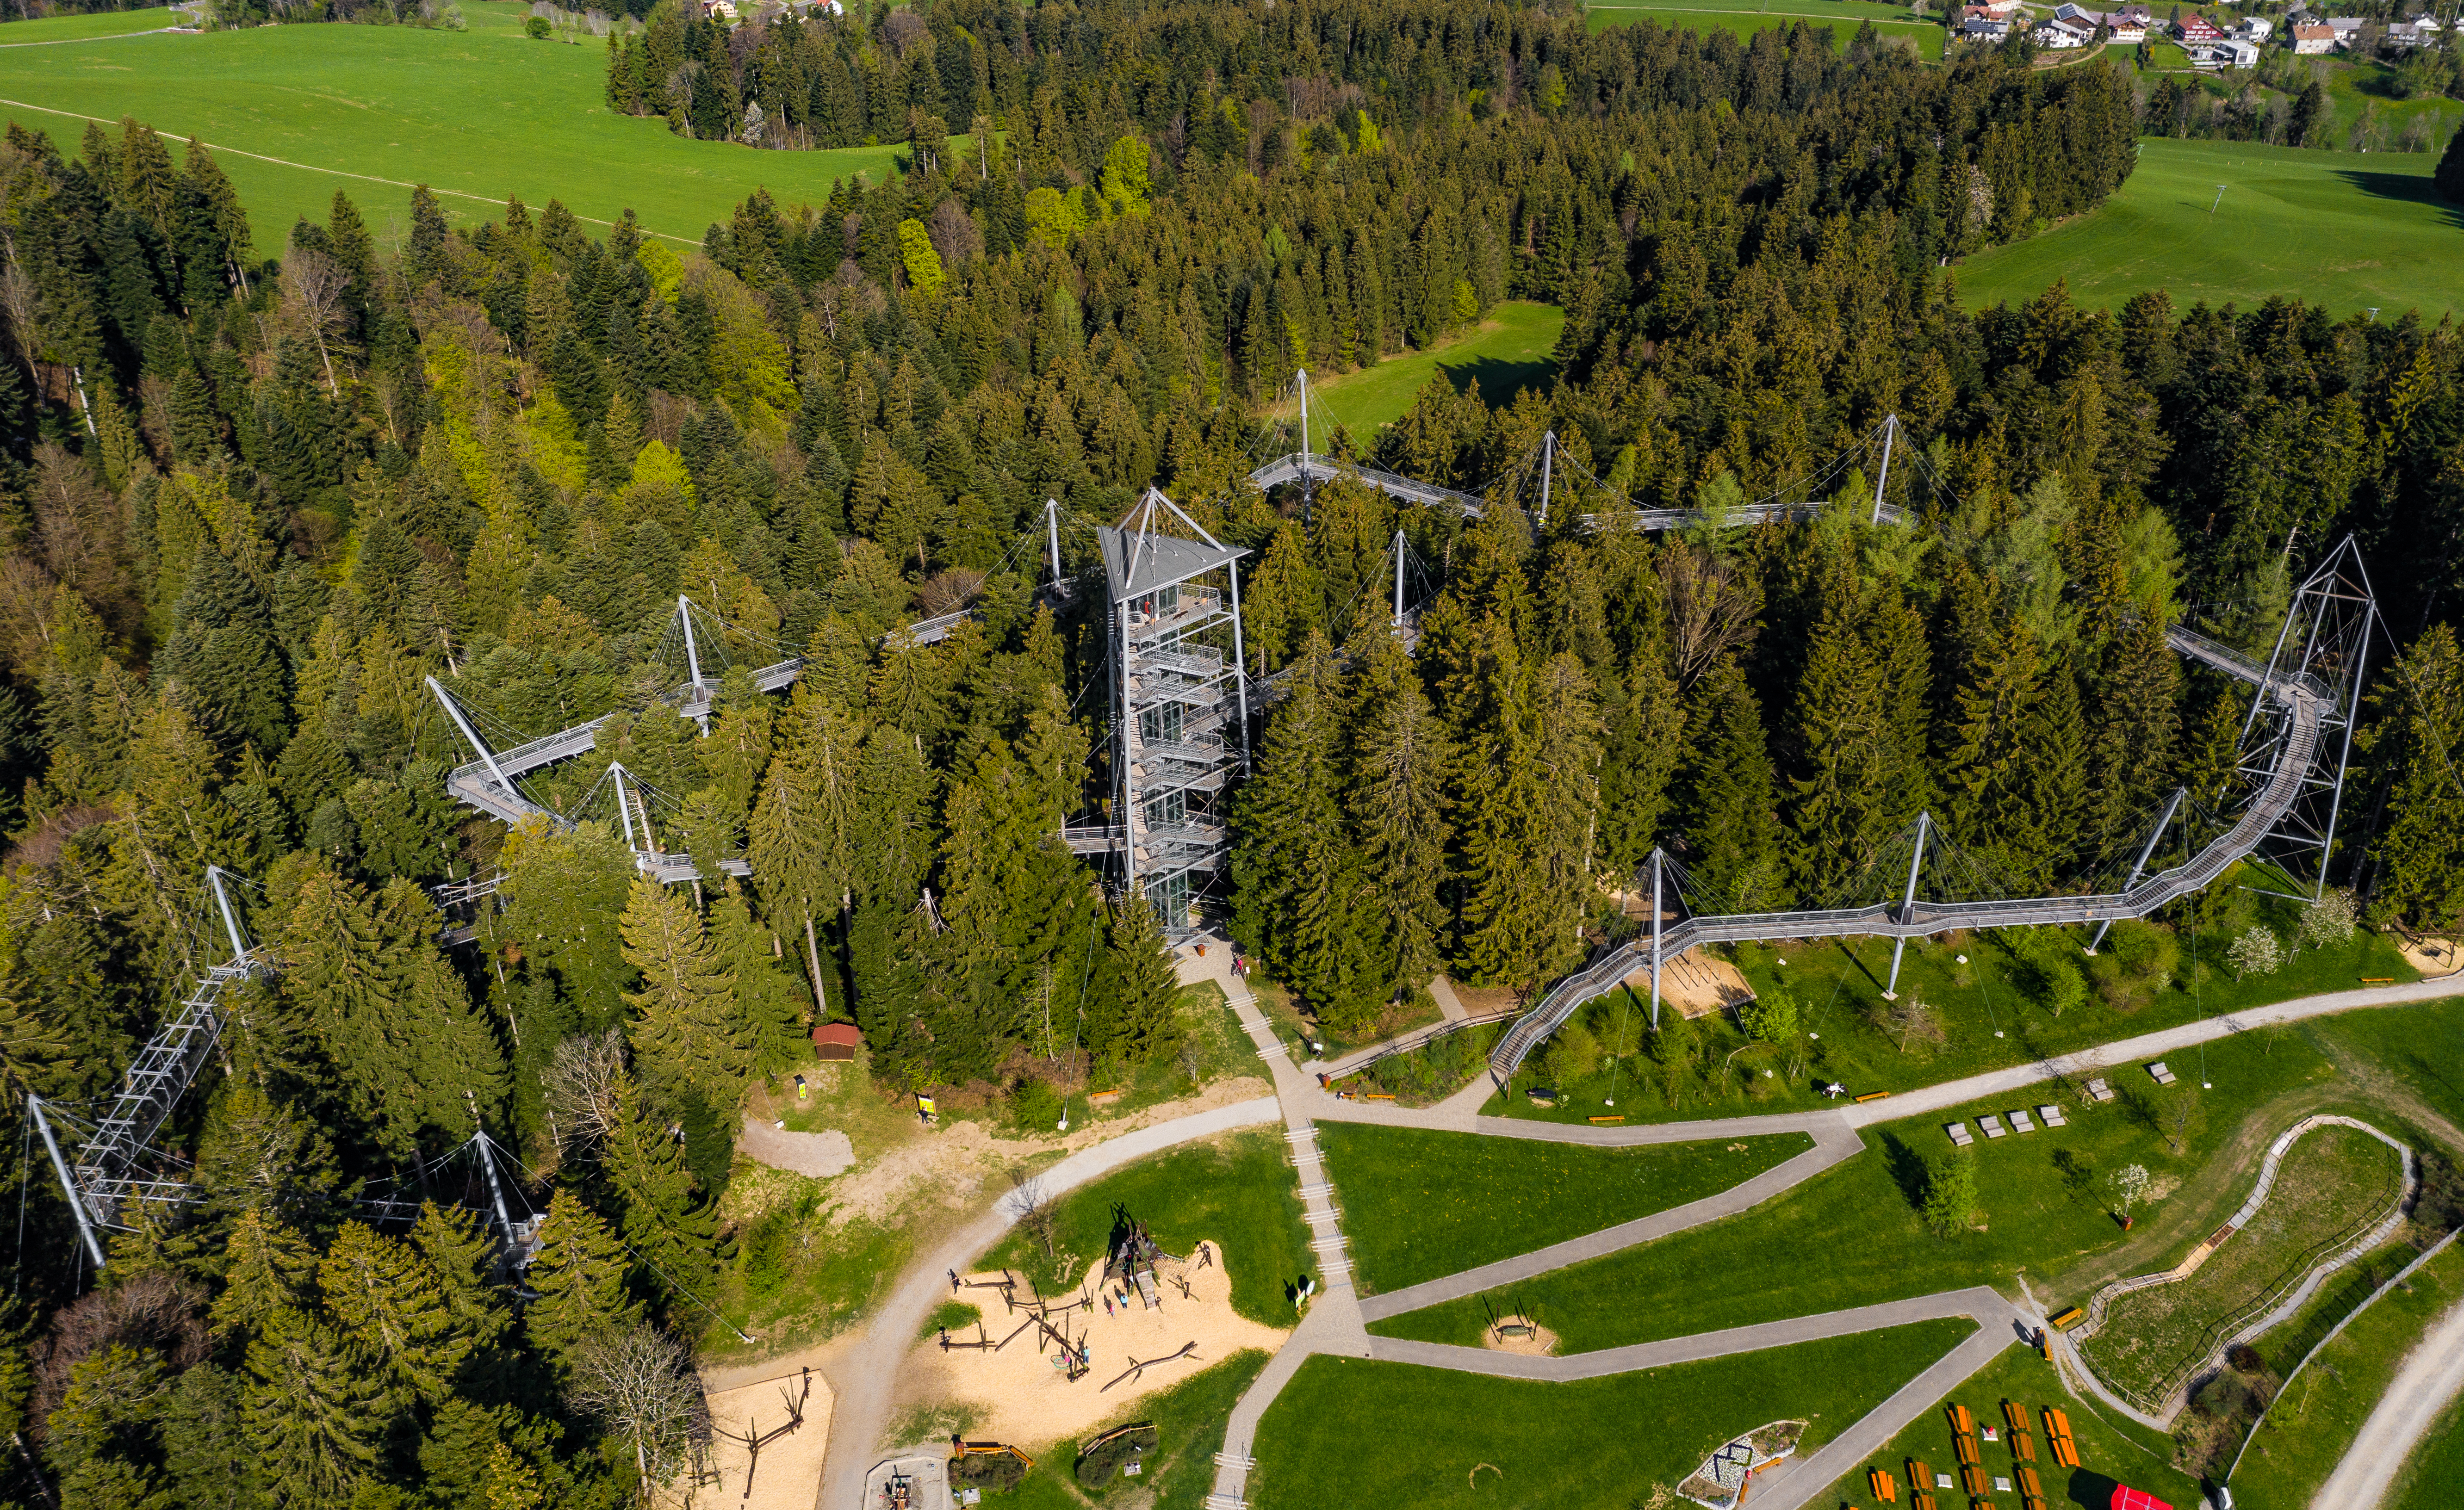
{"x":766,"y":1444}
{"x":1039,"y":1368}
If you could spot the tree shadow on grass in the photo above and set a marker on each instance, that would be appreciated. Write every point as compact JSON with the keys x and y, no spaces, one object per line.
{"x":2417,"y":189}
{"x":1500,"y":381}
{"x":1907,"y":1168}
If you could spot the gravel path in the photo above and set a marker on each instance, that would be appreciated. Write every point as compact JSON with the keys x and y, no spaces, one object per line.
{"x":2431,"y":1376}
{"x":819,"y":1154}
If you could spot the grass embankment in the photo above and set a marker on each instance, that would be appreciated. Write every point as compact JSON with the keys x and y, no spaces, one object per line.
{"x":1507,"y":352}
{"x":479,"y":114}
{"x":2343,"y":230}
{"x":1418,"y":1204}
{"x":1178,"y":1471}
{"x":1988,"y":1017}
{"x":1350,"y":1431}
{"x":1236,"y":1191}
{"x":2435,"y":1468}
{"x":2333,"y":1184}
{"x":1745,"y":17}
{"x":1853,"y":1236}
{"x":2112,"y":1449}
{"x":2312,"y":1422}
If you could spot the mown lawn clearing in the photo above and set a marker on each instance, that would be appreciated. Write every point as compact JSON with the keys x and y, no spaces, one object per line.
{"x":1418,"y":1204}
{"x":1236,"y":1191}
{"x":1507,"y":352}
{"x":1853,"y":1236}
{"x":371,"y":110}
{"x":1350,"y":1431}
{"x":2112,"y":1449}
{"x":2347,"y":231}
{"x":2333,"y":1184}
{"x":1955,"y":1017}
{"x":1745,"y":17}
{"x":2318,"y":1415}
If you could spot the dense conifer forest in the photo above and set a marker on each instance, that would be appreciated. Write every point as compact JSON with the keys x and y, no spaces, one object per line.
{"x":258,"y":482}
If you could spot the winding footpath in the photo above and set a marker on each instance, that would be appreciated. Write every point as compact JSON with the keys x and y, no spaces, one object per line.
{"x":2432,"y":1378}
{"x":1336,"y":1322}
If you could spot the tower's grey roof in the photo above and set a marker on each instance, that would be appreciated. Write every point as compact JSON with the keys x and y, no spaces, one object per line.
{"x":1140,"y":558}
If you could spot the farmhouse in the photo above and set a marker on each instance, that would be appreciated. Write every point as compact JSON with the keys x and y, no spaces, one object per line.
{"x":2313,"y":37}
{"x":1980,"y":21}
{"x":2347,"y":28}
{"x":2065,"y":31}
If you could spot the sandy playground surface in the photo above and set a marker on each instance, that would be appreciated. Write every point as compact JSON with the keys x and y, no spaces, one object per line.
{"x":1694,"y":983}
{"x":787,"y":1472}
{"x":1020,"y":1397}
{"x":1541,"y":1343}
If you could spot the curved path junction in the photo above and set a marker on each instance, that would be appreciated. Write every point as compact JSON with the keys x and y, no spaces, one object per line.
{"x":1336,"y":1322}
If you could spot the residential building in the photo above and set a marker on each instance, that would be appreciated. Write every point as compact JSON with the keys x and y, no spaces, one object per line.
{"x":2065,"y":31}
{"x":2253,"y":29}
{"x":2311,"y":39}
{"x":2196,"y":29}
{"x":2423,"y":32}
{"x":2223,"y":52}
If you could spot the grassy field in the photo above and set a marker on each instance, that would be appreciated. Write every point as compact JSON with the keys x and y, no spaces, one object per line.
{"x":1745,"y":17}
{"x":372,"y":110}
{"x":1419,"y":1204}
{"x":1505,"y":353}
{"x":2316,"y":1419}
{"x":2111,"y":1451}
{"x":1236,"y":1192}
{"x":2339,"y":229}
{"x":1989,"y":1016}
{"x":1351,"y":1432}
{"x":56,"y":28}
{"x":2334,"y":1184}
{"x":2045,"y":1209}
{"x":2436,"y":1467}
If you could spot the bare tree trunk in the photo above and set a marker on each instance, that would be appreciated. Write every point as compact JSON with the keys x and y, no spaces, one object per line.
{"x":813,"y":960}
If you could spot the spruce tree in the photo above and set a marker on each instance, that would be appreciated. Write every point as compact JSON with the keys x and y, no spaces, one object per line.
{"x":267,"y":1268}
{"x":1402,"y":765}
{"x":1727,"y":798}
{"x":771,"y":1011}
{"x":685,"y":1031}
{"x":316,"y":1417}
{"x":2419,"y":743}
{"x":1132,"y":1018}
{"x":579,"y":1274}
{"x":664,"y":1222}
{"x":390,"y":1310}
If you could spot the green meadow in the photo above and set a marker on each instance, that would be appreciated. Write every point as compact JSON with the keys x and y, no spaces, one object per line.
{"x":1504,"y":354}
{"x":295,"y":112}
{"x":2350,"y":232}
{"x":1745,"y":17}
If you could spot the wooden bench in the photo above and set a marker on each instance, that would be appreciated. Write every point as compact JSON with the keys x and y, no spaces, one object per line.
{"x":2099,"y":1091}
{"x":1871,"y":1095}
{"x":2160,"y":1074}
{"x":1598,"y":1121}
{"x":1960,"y":1136}
{"x":1992,"y":1126}
{"x":2062,"y":1321}
{"x":1883,"y":1485}
{"x":2051,"y":1116}
{"x":2378,"y":981}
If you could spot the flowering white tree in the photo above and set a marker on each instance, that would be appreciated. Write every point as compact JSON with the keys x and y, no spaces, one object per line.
{"x":2256,"y":952}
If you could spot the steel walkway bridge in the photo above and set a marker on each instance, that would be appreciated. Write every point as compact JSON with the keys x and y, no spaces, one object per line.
{"x":2296,"y":742}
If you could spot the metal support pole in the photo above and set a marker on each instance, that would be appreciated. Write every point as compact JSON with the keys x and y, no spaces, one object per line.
{"x":1129,"y":724}
{"x":488,"y":1161}
{"x":1240,"y":668}
{"x":1890,"y":429}
{"x":2268,"y":685}
{"x":693,"y":656}
{"x":1052,"y":536}
{"x":2352,"y":716}
{"x":487,"y":756}
{"x":1303,"y":376}
{"x":1399,"y":578}
{"x":1547,"y":458}
{"x":1907,"y":903}
{"x":2154,"y":836}
{"x":231,"y":924}
{"x":625,"y":811}
{"x":68,"y":1184}
{"x":1654,"y":940}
